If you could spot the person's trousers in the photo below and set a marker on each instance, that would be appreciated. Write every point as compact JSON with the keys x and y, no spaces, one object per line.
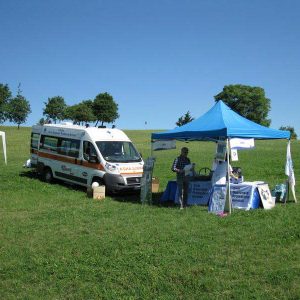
{"x":182,"y":185}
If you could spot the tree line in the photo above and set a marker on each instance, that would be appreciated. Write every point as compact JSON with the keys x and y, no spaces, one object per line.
{"x":102,"y":109}
{"x":16,"y":109}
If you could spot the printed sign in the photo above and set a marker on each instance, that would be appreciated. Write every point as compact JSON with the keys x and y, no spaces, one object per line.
{"x":265,"y":195}
{"x":238,"y":144}
{"x":199,"y":192}
{"x":241,"y":195}
{"x":217,"y":200}
{"x":234,"y":155}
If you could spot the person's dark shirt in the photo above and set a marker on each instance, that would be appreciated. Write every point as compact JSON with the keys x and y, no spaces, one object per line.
{"x":179,"y":163}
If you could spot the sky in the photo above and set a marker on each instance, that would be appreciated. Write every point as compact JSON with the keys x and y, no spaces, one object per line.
{"x":158,"y":59}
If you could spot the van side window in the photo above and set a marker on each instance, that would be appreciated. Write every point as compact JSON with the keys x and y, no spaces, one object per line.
{"x":49,"y":143}
{"x":88,"y":150}
{"x":63,"y":146}
{"x":34,"y":140}
{"x":69,"y":147}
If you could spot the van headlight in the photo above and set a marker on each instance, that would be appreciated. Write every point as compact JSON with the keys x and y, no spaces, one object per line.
{"x":111,"y":168}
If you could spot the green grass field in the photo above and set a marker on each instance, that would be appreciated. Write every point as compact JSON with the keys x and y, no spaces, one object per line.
{"x":58,"y":244}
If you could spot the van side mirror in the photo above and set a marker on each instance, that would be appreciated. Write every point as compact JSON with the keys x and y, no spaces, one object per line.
{"x":93,"y":159}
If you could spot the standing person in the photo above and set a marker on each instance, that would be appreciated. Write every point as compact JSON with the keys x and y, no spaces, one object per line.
{"x":220,"y":172}
{"x":182,"y":180}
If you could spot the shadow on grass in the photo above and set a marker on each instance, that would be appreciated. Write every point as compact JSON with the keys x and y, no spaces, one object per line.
{"x":32,"y":174}
{"x":134,"y":197}
{"x":127,"y":196}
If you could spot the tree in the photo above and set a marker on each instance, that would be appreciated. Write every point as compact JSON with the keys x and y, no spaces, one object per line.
{"x":249,"y":102}
{"x":55,"y":108}
{"x":70,"y":113}
{"x":18,"y":109}
{"x":82,"y":112}
{"x":42,"y":121}
{"x":105,"y":108}
{"x":184,"y":119}
{"x":5,"y":96}
{"x":291,"y":130}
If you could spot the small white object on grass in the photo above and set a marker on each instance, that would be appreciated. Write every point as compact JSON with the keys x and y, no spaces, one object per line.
{"x":95,"y":184}
{"x":27,"y":164}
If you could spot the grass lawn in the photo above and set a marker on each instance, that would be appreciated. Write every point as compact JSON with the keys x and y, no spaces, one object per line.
{"x":56,"y":243}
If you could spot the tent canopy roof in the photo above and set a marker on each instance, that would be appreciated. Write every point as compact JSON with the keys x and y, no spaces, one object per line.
{"x":221,"y":122}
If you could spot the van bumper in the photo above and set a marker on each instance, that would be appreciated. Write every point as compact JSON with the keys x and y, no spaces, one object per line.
{"x":116,"y":183}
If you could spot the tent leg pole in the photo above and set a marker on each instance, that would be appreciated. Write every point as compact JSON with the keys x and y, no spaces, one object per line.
{"x":228,"y":177}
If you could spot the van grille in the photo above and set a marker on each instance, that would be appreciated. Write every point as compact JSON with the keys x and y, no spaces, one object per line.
{"x":133,"y":180}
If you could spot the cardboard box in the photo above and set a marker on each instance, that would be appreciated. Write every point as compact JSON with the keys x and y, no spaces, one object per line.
{"x":155,"y":185}
{"x":99,"y":192}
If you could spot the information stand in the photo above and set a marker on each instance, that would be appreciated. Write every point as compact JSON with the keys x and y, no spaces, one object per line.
{"x":146,"y":181}
{"x":243,"y":195}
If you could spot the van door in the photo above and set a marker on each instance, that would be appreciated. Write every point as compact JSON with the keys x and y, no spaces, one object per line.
{"x":68,"y":150}
{"x":89,"y":164}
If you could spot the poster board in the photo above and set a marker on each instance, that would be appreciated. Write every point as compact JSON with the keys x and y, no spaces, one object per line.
{"x":242,"y":195}
{"x":218,"y":199}
{"x":265,"y":195}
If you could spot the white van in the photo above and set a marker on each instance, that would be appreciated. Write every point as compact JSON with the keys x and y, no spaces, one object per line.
{"x":81,"y":155}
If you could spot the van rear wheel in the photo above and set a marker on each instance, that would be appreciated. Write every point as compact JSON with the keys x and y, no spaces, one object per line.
{"x":48,"y":176}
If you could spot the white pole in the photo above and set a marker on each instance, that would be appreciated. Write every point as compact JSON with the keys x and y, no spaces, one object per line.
{"x":4,"y":145}
{"x":228,"y":177}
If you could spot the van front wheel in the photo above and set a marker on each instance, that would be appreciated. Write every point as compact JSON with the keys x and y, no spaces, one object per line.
{"x":48,"y":176}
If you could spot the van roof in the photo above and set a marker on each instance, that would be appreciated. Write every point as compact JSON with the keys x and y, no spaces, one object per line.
{"x":96,"y":134}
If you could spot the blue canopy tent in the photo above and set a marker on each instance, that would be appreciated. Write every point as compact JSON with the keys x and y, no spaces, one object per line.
{"x":221,"y":123}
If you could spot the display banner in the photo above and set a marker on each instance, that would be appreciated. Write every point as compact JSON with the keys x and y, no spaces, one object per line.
{"x":146,"y":181}
{"x":242,"y":195}
{"x":238,"y":144}
{"x":199,"y":192}
{"x":218,"y":199}
{"x":265,"y":195}
{"x":163,"y":145}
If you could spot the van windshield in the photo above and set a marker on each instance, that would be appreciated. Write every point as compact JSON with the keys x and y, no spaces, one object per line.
{"x":118,"y":151}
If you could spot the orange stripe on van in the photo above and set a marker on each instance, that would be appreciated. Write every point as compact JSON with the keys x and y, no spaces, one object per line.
{"x":71,"y":160}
